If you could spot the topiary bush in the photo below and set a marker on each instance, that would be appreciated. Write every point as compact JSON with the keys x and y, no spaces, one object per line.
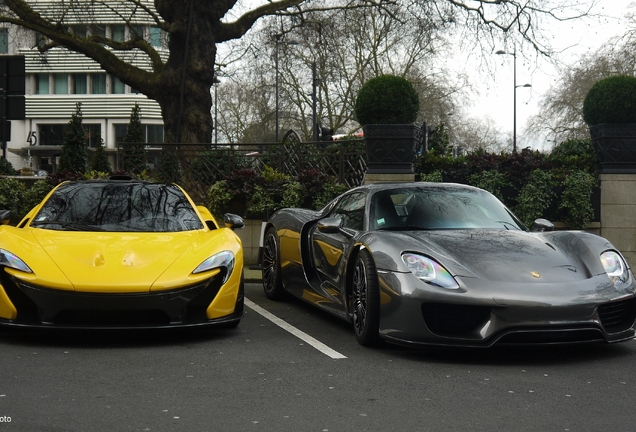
{"x":387,"y":99}
{"x":611,"y":100}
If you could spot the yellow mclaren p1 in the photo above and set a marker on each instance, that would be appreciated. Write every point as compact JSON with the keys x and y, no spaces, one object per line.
{"x":120,"y":253}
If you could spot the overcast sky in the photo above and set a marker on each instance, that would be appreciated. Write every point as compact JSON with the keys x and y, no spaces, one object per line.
{"x":576,"y":38}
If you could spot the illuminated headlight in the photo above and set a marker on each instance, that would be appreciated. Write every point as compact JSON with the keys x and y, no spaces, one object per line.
{"x":429,"y":271}
{"x":222,"y":259}
{"x":615,"y":267}
{"x":8,"y":259}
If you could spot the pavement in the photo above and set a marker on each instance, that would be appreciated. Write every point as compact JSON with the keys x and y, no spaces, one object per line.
{"x":252,"y":274}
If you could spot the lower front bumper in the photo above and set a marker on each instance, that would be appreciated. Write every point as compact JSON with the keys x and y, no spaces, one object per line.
{"x":184,"y":307}
{"x":414,"y":314}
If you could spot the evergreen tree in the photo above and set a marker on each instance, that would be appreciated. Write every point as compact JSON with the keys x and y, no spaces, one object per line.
{"x":134,"y":152}
{"x":74,"y":158}
{"x":99,"y":162}
{"x":170,"y":166}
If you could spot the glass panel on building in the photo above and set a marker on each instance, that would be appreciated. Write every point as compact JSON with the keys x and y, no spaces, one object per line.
{"x":61,"y":83}
{"x":155,"y":37}
{"x":52,"y":134}
{"x":79,"y":30}
{"x":118,"y":33}
{"x":120,"y":132}
{"x":136,"y":30}
{"x":79,"y":84}
{"x":98,"y":85}
{"x":118,"y":87}
{"x":42,"y":83}
{"x":4,"y":41}
{"x":98,"y":30}
{"x":154,"y":133}
{"x":93,"y":134}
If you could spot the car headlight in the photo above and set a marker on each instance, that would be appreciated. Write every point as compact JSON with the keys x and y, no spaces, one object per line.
{"x":429,"y":271}
{"x":8,"y":259}
{"x":615,"y":267}
{"x":222,"y":259}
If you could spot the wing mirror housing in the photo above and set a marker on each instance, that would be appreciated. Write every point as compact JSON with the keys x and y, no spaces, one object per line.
{"x":541,"y":225}
{"x":5,"y":216}
{"x":233,"y":221}
{"x":330,"y":225}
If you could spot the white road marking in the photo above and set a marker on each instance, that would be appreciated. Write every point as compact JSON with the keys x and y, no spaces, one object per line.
{"x":293,"y":330}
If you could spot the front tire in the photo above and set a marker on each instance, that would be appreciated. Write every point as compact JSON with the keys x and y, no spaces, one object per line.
{"x":272,"y":283}
{"x":365,"y":300}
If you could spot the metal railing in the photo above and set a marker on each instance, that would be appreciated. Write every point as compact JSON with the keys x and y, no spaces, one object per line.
{"x":196,"y":166}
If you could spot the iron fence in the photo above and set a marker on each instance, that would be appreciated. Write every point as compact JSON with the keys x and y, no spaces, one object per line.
{"x":196,"y":167}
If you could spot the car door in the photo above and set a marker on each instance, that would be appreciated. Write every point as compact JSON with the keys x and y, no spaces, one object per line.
{"x":329,"y":250}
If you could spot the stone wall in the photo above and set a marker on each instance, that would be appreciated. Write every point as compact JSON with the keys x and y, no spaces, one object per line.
{"x":618,"y":213}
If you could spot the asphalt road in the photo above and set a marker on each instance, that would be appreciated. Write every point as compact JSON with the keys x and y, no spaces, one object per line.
{"x":297,"y":369}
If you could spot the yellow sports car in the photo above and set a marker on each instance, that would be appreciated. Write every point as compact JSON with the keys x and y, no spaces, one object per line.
{"x":120,"y":253}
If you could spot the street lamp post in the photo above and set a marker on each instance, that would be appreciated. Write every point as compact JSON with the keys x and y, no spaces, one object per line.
{"x":514,"y":96}
{"x":278,"y":42}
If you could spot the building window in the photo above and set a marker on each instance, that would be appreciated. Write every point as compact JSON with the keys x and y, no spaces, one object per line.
{"x":98,"y":83}
{"x":52,"y":134}
{"x":120,"y":132}
{"x":98,"y":30}
{"x":118,"y":87}
{"x":154,"y":133}
{"x":79,"y":84}
{"x":40,"y":40}
{"x":4,"y":41}
{"x":155,"y":37}
{"x":79,"y":30}
{"x":93,"y":134}
{"x":136,"y":30}
{"x":118,"y":33}
{"x":42,"y":83}
{"x":61,"y":84}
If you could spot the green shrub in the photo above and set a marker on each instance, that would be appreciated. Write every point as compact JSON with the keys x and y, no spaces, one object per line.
{"x":535,"y":197}
{"x":492,"y":181}
{"x":387,"y":99}
{"x":576,"y":199}
{"x":12,"y":198}
{"x":611,"y":100}
{"x":36,"y":193}
{"x":6,"y":168}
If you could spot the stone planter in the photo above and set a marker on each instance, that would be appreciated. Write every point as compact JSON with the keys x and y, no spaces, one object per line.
{"x":615,"y":147}
{"x":391,"y":148}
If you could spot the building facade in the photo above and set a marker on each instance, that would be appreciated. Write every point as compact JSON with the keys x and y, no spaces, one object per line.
{"x":58,"y":79}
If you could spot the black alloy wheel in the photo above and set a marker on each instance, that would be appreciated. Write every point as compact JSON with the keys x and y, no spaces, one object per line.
{"x":272,"y":284}
{"x":365,"y":300}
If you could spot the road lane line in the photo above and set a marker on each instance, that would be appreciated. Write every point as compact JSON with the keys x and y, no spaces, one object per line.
{"x":293,"y":330}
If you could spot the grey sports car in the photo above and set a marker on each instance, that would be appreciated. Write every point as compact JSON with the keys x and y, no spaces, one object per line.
{"x":448,"y":264}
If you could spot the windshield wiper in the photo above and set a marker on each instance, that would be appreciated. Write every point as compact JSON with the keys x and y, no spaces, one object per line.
{"x":71,"y":226}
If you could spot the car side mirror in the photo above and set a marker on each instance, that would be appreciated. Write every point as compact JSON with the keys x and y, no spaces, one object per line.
{"x":233,"y":221}
{"x":541,"y":225}
{"x":5,"y":216}
{"x":330,"y":225}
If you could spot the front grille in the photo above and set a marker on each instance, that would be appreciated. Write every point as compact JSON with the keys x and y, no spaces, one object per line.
{"x":617,"y":316}
{"x":454,"y":320}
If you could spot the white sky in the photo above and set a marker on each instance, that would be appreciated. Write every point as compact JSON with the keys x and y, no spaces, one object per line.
{"x":496,"y":92}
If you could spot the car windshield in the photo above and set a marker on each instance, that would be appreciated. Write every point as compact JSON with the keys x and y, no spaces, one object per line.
{"x":434,"y":208}
{"x":116,"y":207}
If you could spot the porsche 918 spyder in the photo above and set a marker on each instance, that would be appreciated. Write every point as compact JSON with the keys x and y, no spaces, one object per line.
{"x":120,"y":253}
{"x":448,"y":264}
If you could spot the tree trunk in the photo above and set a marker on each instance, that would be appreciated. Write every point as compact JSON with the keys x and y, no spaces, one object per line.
{"x":185,"y":98}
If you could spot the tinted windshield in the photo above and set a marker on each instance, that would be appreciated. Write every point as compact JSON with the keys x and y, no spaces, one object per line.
{"x":105,"y":206}
{"x":439,"y":208}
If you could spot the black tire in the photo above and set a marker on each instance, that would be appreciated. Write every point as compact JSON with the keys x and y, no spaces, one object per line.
{"x":272,"y":284}
{"x":365,"y":300}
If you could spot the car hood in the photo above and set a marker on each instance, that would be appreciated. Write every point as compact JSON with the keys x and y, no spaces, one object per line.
{"x":506,"y":255}
{"x":114,"y":262}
